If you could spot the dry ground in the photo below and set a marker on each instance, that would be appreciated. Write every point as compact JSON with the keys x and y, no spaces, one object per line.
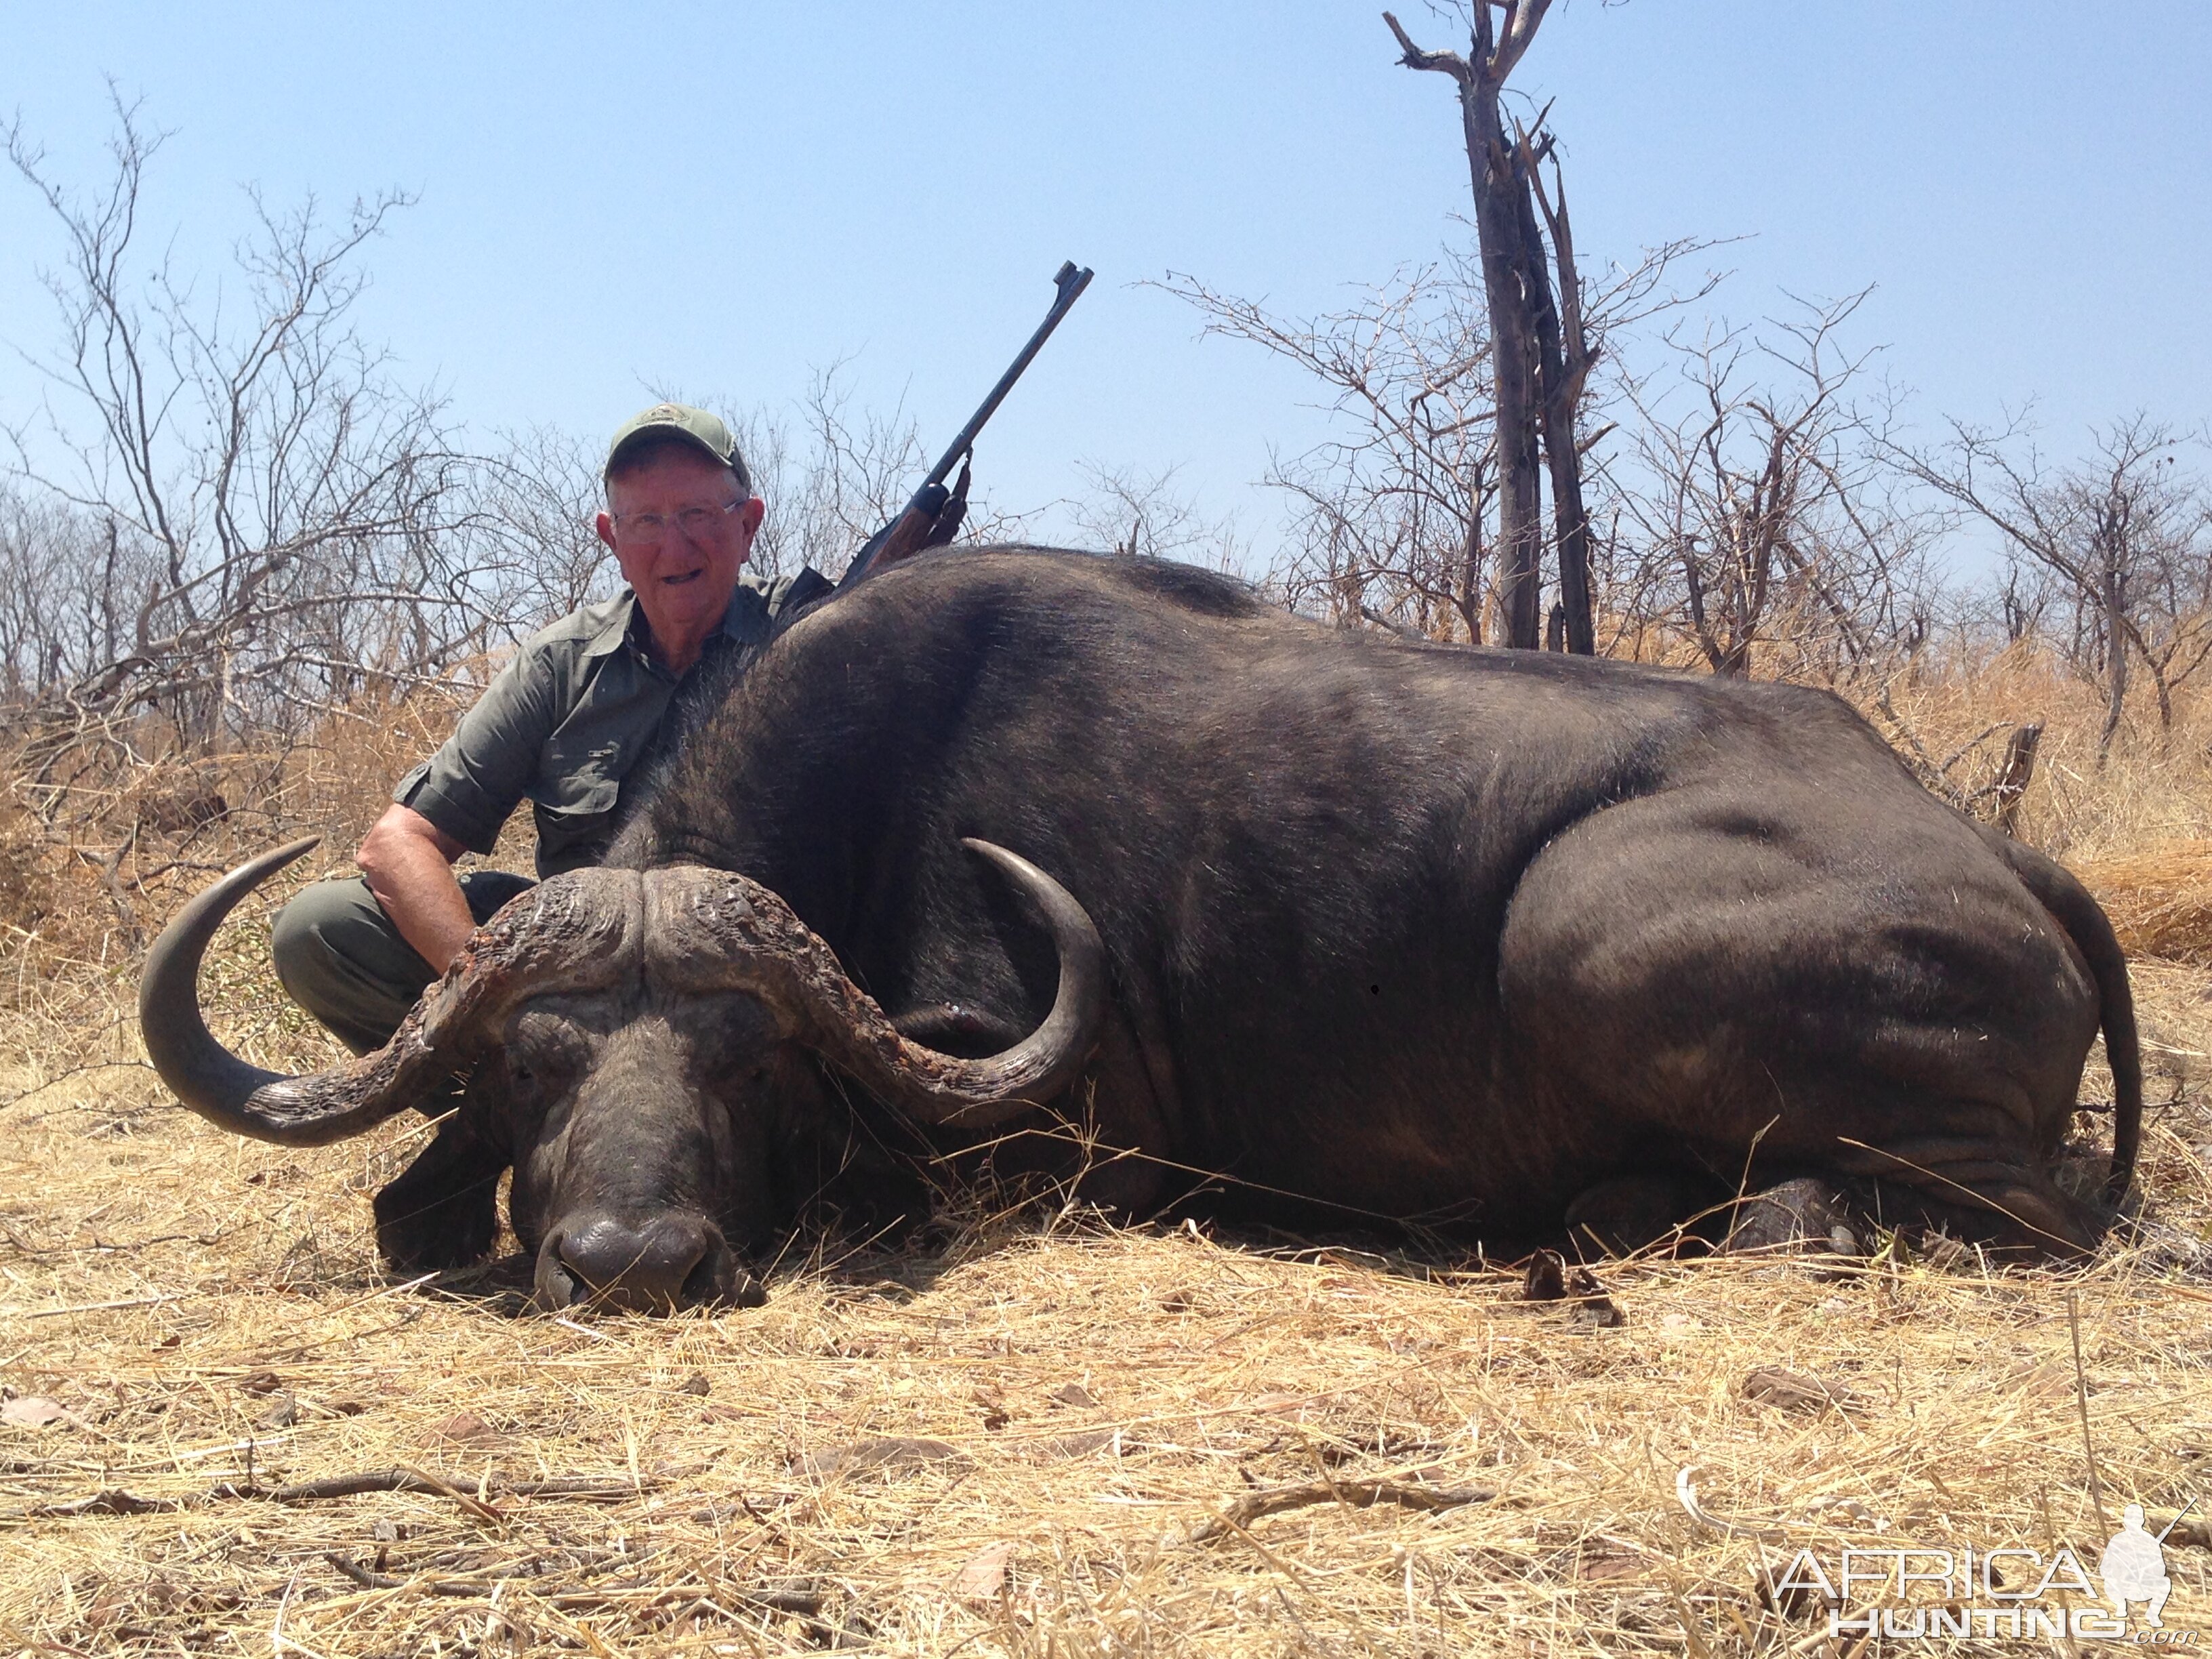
{"x":1025,"y":1439}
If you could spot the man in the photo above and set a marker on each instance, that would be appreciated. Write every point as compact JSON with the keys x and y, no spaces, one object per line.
{"x":564,"y":723}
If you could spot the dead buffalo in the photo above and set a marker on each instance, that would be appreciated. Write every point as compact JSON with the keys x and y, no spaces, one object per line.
{"x":1496,"y":941}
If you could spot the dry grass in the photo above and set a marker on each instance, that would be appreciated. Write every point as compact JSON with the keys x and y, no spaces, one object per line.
{"x":2159,"y":899}
{"x":2154,"y":788}
{"x":1006,"y":1443}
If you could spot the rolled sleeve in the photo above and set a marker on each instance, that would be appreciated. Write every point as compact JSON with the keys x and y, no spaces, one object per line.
{"x":470,"y":787}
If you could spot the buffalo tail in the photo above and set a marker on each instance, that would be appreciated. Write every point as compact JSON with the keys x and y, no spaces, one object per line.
{"x":2084,"y":920}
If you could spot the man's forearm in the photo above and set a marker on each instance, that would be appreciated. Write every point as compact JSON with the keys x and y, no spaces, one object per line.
{"x":412,"y":874}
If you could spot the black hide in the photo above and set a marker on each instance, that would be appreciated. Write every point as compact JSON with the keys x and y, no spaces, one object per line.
{"x":1433,"y":934}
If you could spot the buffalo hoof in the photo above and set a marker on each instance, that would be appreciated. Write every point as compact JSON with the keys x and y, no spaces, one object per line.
{"x":660,"y":1265}
{"x":1804,"y":1214}
{"x":1632,"y":1213}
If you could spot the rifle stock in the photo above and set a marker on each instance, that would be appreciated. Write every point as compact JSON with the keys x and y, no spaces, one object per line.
{"x":904,"y":537}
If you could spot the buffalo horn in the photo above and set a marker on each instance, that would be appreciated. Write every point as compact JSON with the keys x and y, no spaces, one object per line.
{"x":292,"y":1111}
{"x":744,"y":937}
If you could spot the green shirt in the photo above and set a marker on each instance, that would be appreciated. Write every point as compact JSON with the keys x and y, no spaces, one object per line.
{"x":581,"y":704}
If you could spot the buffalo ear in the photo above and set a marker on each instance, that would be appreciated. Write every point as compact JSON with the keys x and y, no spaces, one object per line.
{"x":442,"y":1210}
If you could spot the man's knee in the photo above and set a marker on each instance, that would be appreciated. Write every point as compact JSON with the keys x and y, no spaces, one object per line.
{"x":338,"y":955}
{"x":299,"y":941}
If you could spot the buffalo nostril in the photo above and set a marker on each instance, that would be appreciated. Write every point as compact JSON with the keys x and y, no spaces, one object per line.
{"x":556,"y":1287}
{"x":719,"y":1281}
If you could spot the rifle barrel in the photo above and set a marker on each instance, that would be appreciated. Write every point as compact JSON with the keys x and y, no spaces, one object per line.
{"x":1071,"y":283}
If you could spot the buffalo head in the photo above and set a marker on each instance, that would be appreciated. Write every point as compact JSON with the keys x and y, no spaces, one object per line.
{"x":655,"y":1054}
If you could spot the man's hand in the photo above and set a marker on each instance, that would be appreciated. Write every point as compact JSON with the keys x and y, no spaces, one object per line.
{"x":408,"y":862}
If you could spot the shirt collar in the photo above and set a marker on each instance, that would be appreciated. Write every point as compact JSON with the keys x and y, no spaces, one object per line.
{"x":614,"y":630}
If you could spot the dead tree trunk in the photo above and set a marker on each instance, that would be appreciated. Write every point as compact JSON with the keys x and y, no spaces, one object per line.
{"x":2015,"y":774}
{"x":1513,"y":351}
{"x":1566,"y":365}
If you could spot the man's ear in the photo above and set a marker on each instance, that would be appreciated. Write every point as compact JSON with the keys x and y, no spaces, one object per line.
{"x":605,"y":525}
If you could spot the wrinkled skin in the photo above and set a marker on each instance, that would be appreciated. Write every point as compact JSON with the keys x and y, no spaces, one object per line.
{"x":1508,"y":943}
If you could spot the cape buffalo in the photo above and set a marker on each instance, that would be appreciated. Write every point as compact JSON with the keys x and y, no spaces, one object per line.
{"x":1503,"y":941}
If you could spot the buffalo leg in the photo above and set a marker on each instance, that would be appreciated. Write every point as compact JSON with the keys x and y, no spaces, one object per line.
{"x":442,"y":1210}
{"x":1709,"y":974}
{"x":1955,"y":1186}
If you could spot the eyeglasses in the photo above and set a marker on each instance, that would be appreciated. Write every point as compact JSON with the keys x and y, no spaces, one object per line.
{"x":644,"y":529}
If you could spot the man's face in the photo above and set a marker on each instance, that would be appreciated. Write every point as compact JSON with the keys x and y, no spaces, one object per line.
{"x":683,"y":578}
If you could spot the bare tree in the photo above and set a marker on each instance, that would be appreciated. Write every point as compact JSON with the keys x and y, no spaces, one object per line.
{"x":271,"y":513}
{"x":1459,"y":387}
{"x":1144,"y":517}
{"x":1394,"y":514}
{"x":1757,"y":498}
{"x":2121,"y":545}
{"x":1510,"y":267}
{"x":1391,"y":513}
{"x":55,"y":613}
{"x":532,"y":515}
{"x":1541,"y":352}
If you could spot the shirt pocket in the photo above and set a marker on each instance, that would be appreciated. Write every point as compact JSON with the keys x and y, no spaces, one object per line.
{"x":574,"y":794}
{"x":580,"y":795}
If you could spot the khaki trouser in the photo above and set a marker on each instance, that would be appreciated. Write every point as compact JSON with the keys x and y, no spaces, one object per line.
{"x":342,"y":959}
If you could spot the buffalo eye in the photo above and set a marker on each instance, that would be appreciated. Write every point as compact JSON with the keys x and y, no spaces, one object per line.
{"x":543,"y":1050}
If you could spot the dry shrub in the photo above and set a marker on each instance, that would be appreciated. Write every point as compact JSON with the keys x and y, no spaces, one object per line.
{"x":2135,"y":825}
{"x":2159,"y":900}
{"x":26,"y":888}
{"x":1958,"y":707}
{"x":99,"y":845}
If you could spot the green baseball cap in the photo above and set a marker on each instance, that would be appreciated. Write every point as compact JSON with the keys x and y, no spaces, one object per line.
{"x":681,"y":421}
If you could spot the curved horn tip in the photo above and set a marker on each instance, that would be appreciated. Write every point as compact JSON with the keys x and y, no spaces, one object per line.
{"x":201,"y":1073}
{"x":262,"y":865}
{"x":1012,"y":863}
{"x":1072,"y":929}
{"x":1046,"y":1060}
{"x":278,"y":857}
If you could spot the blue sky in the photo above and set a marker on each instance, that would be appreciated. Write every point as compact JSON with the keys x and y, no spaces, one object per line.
{"x":728,"y":196}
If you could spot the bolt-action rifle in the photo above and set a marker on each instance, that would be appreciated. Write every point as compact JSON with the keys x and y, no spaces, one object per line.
{"x":932,"y":517}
